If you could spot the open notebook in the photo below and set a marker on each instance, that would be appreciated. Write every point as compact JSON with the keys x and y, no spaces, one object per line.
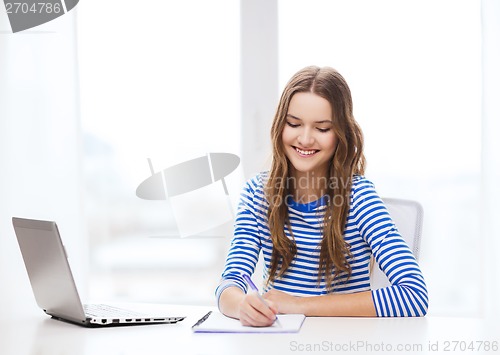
{"x":216,"y":322}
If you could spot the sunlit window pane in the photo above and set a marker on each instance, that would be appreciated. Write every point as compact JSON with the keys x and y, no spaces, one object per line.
{"x":159,"y":80}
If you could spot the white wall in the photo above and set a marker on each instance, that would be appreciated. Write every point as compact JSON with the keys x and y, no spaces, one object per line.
{"x":39,"y":148}
{"x":490,"y":188}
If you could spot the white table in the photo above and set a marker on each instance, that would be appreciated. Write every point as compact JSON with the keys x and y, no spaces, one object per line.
{"x":41,"y":335}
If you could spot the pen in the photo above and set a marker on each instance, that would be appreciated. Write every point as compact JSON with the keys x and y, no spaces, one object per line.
{"x":254,"y":288}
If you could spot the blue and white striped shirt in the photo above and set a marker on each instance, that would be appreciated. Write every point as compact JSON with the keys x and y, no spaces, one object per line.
{"x":369,"y":230}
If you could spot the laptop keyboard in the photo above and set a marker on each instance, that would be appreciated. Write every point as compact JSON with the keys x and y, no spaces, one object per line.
{"x":107,"y":311}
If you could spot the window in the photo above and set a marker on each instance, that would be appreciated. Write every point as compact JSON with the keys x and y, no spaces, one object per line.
{"x":161,"y":86}
{"x":159,"y":81}
{"x":414,"y":69}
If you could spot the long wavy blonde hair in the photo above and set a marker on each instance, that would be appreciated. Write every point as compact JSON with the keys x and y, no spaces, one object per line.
{"x":347,"y":161}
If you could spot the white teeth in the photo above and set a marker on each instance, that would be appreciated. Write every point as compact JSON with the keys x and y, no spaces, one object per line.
{"x":305,"y":152}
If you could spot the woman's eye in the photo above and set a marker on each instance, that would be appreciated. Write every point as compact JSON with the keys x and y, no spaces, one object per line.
{"x":324,"y":130}
{"x":293,"y":125}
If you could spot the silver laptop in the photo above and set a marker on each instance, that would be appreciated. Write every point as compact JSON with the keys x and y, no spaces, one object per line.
{"x":53,"y":283}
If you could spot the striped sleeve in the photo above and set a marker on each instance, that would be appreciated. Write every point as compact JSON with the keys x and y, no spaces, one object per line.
{"x":245,"y":246}
{"x":407,"y":295}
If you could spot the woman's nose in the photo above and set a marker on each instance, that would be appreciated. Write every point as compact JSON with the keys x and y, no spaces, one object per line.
{"x":305,"y":139}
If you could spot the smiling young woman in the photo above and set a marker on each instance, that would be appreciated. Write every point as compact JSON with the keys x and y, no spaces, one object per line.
{"x":317,"y":219}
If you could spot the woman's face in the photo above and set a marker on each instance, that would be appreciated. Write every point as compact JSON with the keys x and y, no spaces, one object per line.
{"x":308,"y":137}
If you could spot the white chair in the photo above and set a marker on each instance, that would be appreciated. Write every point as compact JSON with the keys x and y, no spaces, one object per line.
{"x":408,"y":217}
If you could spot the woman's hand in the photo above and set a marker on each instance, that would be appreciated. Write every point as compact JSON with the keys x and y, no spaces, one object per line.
{"x":285,"y":302}
{"x":253,"y":311}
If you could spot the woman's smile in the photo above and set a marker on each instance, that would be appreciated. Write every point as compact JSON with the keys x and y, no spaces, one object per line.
{"x":306,"y":152}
